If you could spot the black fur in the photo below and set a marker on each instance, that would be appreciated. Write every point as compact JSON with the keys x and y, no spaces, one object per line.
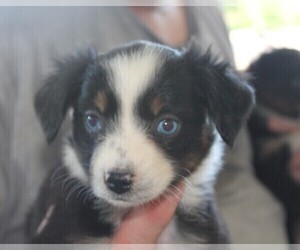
{"x":60,"y":91}
{"x":276,"y":78}
{"x":201,"y":93}
{"x":74,"y":218}
{"x":222,"y":91}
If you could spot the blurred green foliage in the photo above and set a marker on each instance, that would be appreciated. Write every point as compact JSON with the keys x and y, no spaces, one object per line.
{"x":261,"y":14}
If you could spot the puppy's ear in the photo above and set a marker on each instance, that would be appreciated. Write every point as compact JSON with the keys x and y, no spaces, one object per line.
{"x":60,"y":91}
{"x":228,"y":98}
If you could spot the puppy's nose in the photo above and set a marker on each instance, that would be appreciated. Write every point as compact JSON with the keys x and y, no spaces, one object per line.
{"x":119,"y":181}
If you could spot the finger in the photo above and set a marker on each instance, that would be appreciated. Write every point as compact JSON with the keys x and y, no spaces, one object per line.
{"x":144,"y":224}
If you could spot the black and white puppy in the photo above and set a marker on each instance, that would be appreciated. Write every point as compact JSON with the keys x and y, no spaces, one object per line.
{"x":144,"y":117}
{"x":277,"y":83}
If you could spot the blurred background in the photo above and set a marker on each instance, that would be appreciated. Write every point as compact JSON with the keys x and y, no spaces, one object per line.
{"x":263,"y":25}
{"x":255,"y":26}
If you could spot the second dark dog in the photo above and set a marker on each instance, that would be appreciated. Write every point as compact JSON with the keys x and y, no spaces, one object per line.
{"x":275,"y":128}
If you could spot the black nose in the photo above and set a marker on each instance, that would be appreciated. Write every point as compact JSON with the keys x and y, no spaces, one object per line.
{"x":119,"y":182}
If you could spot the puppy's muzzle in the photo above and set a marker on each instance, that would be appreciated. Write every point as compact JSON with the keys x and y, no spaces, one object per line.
{"x":119,"y":181}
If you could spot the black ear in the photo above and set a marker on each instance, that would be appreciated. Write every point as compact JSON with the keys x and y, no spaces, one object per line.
{"x":229,"y":99}
{"x":60,"y":91}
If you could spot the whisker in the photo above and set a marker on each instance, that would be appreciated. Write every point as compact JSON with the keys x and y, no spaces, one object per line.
{"x":177,"y":196}
{"x":54,"y":172}
{"x":74,"y":189}
{"x":88,"y":195}
{"x":67,"y":182}
{"x":82,"y":192}
{"x":188,"y":183}
{"x":54,"y":179}
{"x":57,"y":179}
{"x":187,"y":170}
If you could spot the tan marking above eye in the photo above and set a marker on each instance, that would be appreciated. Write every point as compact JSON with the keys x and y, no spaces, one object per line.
{"x":101,"y":101}
{"x":156,"y":105}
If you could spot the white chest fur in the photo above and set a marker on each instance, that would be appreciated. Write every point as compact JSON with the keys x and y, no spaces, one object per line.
{"x":198,"y":187}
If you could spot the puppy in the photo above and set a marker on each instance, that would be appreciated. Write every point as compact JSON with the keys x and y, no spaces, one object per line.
{"x":144,"y":117}
{"x":277,"y":84}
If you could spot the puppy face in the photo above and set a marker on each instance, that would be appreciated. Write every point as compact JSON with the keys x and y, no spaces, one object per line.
{"x":277,"y":81}
{"x":144,"y":117}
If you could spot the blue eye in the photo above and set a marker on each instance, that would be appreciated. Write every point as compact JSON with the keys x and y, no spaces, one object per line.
{"x":168,"y":127}
{"x":93,"y":123}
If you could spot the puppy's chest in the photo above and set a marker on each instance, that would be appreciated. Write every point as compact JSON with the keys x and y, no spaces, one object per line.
{"x":175,"y":232}
{"x":194,"y":222}
{"x":171,"y":234}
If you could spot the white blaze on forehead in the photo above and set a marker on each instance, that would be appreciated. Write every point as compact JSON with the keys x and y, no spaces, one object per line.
{"x":132,"y":74}
{"x":128,"y":145}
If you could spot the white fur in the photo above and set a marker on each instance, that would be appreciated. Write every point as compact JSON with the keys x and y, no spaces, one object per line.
{"x":294,"y":141}
{"x":128,"y":145}
{"x":170,"y":234}
{"x":70,"y":158}
{"x":205,"y":176}
{"x":72,"y":163}
{"x":131,"y":75}
{"x":193,"y":196}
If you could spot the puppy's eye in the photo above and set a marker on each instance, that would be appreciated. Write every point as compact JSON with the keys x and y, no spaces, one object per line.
{"x":168,"y":127}
{"x":93,"y":123}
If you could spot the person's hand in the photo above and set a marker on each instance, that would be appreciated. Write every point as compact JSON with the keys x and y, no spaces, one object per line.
{"x":143,"y":225}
